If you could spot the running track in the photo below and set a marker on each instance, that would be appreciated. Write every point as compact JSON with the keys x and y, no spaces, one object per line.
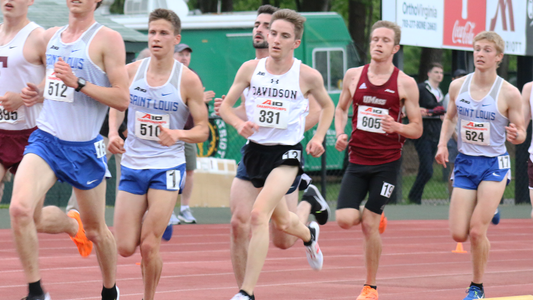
{"x":417,"y":263}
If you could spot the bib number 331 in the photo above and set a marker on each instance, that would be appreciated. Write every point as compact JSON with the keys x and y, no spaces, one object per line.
{"x":272,"y":113}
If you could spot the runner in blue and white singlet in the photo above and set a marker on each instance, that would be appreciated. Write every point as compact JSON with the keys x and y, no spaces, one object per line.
{"x":485,"y":111}
{"x":150,"y":107}
{"x":65,"y":106}
{"x":481,"y":138}
{"x":480,"y":127}
{"x":85,"y":75}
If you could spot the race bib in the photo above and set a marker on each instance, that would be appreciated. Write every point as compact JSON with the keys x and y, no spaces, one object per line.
{"x":12,"y":117}
{"x":369,"y":118}
{"x":292,"y":154}
{"x":100,"y":149}
{"x":504,"y":162}
{"x":272,"y":113}
{"x":173,"y":179}
{"x":147,"y":125}
{"x":55,"y":89}
{"x":477,"y":133}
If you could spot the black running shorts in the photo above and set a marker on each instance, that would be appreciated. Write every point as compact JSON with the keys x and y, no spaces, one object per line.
{"x":378,"y":181}
{"x":260,"y":160}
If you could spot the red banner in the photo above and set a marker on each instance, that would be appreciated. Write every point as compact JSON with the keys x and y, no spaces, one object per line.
{"x":463,"y":19}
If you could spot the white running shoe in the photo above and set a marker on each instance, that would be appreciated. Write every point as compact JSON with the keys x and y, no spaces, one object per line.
{"x":173,"y":219}
{"x":315,"y":258}
{"x":186,"y":216}
{"x":242,"y":296}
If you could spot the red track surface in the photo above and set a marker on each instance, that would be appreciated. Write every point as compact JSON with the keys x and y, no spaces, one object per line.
{"x":416,"y":263}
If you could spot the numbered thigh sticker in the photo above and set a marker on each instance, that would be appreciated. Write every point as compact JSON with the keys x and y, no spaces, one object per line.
{"x":173,"y":179}
{"x":369,"y":118}
{"x":386,"y":189}
{"x":147,"y":125}
{"x":12,"y":117}
{"x":272,"y":113}
{"x":504,"y":162}
{"x":477,"y":133}
{"x":100,"y":149}
{"x":55,"y":89}
{"x":293,"y":154}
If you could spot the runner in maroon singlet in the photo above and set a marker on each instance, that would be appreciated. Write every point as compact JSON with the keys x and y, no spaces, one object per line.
{"x":379,"y":92}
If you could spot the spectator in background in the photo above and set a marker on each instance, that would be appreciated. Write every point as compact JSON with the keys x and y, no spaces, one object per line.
{"x":182,"y":53}
{"x":431,"y":98}
{"x":143,"y":54}
{"x":452,"y":143}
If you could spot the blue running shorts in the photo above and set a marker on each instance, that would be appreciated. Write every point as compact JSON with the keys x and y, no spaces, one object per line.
{"x":470,"y":171}
{"x":139,"y":181}
{"x":242,"y":174}
{"x":80,"y":164}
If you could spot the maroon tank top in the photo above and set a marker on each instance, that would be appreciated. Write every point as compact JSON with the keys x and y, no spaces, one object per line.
{"x":369,"y":144}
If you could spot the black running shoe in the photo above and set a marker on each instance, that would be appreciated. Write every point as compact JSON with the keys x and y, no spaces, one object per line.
{"x":319,"y":206}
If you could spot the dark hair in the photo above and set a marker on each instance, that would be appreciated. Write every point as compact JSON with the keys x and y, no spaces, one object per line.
{"x":166,"y":14}
{"x":98,"y":4}
{"x":292,"y":17}
{"x":435,"y":65}
{"x":266,"y":9}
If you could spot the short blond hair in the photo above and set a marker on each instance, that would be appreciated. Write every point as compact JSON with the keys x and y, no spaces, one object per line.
{"x":491,"y":36}
{"x":292,"y":17}
{"x":390,"y":25}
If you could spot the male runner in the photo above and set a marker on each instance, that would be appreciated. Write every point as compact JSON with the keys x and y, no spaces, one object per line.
{"x":242,"y":191}
{"x":379,"y":92}
{"x":162,"y":91}
{"x":483,"y":107}
{"x":276,"y":106}
{"x":85,"y":74}
{"x":527,"y":97}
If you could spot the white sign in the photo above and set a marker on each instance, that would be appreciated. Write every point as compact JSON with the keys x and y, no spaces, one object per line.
{"x":421,"y":22}
{"x":508,"y":19}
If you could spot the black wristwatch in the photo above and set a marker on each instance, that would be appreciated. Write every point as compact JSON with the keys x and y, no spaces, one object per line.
{"x":81,"y":83}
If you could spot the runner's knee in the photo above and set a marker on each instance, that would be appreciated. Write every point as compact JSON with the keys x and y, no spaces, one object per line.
{"x":149,"y":246}
{"x":240,"y":222}
{"x":125,"y":249}
{"x":20,"y":213}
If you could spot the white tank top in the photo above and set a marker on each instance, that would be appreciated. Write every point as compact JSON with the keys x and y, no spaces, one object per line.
{"x":67,"y":114}
{"x":149,"y":107}
{"x":277,"y":105}
{"x":15,"y":72}
{"x":527,"y":121}
{"x":480,"y":125}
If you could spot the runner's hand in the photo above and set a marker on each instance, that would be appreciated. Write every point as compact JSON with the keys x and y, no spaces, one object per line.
{"x":218,"y":102}
{"x":512,"y":132}
{"x":342,"y":142}
{"x":442,"y":155}
{"x":389,"y":125}
{"x":11,"y":101}
{"x":64,"y":72}
{"x":208,"y":96}
{"x":168,"y":137}
{"x":246,"y":129}
{"x":116,"y":144}
{"x":31,"y":95}
{"x":314,"y":148}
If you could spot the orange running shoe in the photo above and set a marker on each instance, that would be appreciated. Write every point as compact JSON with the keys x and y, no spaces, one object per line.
{"x":382,"y":223}
{"x":368,"y":293}
{"x":84,"y":245}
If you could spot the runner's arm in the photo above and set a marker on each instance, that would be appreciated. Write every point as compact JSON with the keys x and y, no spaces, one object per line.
{"x":526,"y":94}
{"x":516,"y":131}
{"x":195,"y":101}
{"x":319,"y":93}
{"x":345,"y":100}
{"x":314,"y":114}
{"x":413,"y":130}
